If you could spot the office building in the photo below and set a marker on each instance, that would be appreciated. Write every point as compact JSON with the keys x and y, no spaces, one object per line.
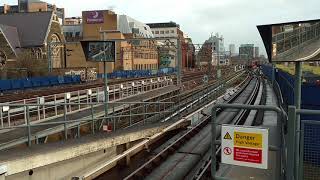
{"x":246,"y":51}
{"x":256,"y":52}
{"x":170,"y":31}
{"x":232,"y":50}
{"x":106,"y":24}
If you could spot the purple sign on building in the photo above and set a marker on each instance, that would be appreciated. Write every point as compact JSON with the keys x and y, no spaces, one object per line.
{"x":95,"y":17}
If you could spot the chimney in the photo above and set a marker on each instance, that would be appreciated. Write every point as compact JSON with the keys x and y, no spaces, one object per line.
{"x":6,"y":9}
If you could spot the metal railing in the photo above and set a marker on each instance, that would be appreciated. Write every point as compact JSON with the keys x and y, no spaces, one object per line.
{"x":119,"y":113}
{"x":68,"y":122}
{"x":307,"y":164}
{"x":16,"y":115}
{"x":286,"y":41}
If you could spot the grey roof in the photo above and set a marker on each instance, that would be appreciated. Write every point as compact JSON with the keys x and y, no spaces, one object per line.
{"x":32,"y":27}
{"x":11,"y":35}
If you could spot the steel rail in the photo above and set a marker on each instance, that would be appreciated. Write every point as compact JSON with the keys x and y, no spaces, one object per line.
{"x":168,"y":150}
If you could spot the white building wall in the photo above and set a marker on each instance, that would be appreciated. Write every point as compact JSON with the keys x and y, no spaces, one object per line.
{"x":126,"y":24}
{"x":170,"y":32}
{"x":73,"y":29}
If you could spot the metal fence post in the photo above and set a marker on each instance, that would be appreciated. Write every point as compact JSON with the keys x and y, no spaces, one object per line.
{"x":159,"y":108}
{"x":79,"y":130}
{"x":130,"y":118}
{"x":114,"y":119}
{"x":272,"y":75}
{"x":213,"y":142}
{"x":9,"y":119}
{"x":55,"y":105}
{"x":297,"y":95}
{"x":39,"y":112}
{"x":25,"y":112}
{"x":301,"y":175}
{"x":291,"y":142}
{"x":97,"y":96}
{"x":29,"y":127}
{"x":1,"y":116}
{"x":65,"y":119}
{"x":144,"y":113}
{"x":92,"y":119}
{"x":44,"y":109}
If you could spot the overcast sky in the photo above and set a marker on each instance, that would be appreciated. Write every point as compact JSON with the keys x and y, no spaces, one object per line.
{"x":236,"y":20}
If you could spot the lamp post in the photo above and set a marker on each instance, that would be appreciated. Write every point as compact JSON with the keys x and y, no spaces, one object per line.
{"x":106,"y":92}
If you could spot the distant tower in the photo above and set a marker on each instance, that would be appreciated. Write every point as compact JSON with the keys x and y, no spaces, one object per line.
{"x":232,"y":49}
{"x":23,"y":5}
{"x":256,"y":52}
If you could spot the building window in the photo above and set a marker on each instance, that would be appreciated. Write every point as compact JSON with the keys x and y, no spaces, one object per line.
{"x":161,"y":32}
{"x":214,"y":48}
{"x":172,"y":31}
{"x":157,"y":32}
{"x":145,"y":28}
{"x":167,"y":32}
{"x":152,"y":32}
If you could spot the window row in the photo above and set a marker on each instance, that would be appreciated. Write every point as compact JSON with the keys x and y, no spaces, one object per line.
{"x":72,"y":34}
{"x":163,"y":32}
{"x":145,"y":66}
{"x":145,"y":56}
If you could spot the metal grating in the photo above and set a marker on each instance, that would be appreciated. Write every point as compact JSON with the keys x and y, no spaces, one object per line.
{"x":311,"y":153}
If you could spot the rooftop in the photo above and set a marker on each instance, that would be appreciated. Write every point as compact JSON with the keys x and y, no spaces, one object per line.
{"x":27,"y":24}
{"x":163,"y":25}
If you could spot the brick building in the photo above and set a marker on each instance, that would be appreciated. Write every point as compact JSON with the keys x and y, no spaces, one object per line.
{"x":171,"y":30}
{"x":18,"y":39}
{"x":106,"y":25}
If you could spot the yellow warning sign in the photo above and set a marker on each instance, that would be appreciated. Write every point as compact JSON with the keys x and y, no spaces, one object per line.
{"x":251,"y":140}
{"x":227,"y":136}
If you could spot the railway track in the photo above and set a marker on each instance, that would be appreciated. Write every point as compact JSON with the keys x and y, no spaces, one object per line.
{"x":181,"y":100}
{"x":185,"y":151}
{"x":202,"y":169}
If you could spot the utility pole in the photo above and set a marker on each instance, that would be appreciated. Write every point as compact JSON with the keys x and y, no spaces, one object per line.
{"x":106,"y":92}
{"x":188,"y":57}
{"x":179,"y":62}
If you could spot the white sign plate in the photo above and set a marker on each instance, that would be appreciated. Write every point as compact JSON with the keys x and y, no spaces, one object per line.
{"x":89,"y":92}
{"x":245,"y":146}
{"x":5,"y":108}
{"x":67,"y":95}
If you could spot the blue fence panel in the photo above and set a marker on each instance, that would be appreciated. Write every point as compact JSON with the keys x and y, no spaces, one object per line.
{"x":16,"y":84}
{"x":53,"y":81}
{"x":67,"y":79}
{"x":5,"y":85}
{"x":76,"y":79}
{"x":310,"y":99}
{"x":35,"y":82}
{"x":44,"y":81}
{"x":27,"y":83}
{"x":137,"y":73}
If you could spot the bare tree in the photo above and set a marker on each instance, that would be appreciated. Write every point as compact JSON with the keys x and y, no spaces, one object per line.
{"x":33,"y":66}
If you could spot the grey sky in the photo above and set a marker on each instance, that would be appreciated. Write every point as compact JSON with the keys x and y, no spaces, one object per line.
{"x":236,"y":20}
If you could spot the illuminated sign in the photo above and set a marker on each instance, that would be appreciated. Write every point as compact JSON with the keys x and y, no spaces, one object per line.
{"x":94,"y":17}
